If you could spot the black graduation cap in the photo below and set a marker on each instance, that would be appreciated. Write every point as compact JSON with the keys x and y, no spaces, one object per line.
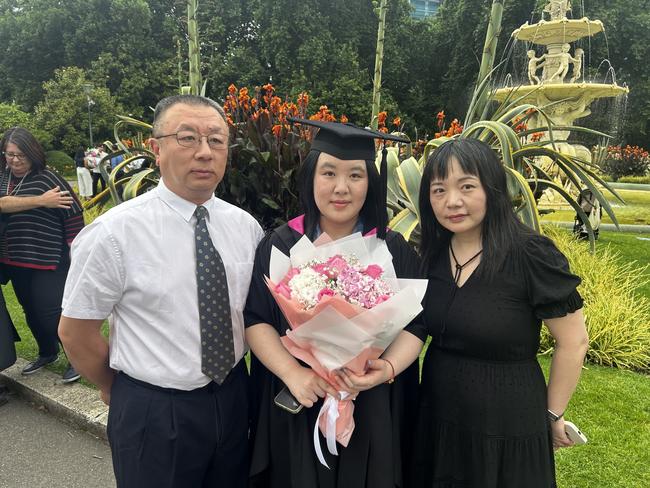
{"x":348,"y":141}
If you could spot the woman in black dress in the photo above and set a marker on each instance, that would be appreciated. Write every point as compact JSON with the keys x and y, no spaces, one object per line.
{"x":487,"y":419}
{"x":340,"y":194}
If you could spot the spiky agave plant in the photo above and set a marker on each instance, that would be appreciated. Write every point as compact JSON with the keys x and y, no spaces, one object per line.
{"x":126,"y":181}
{"x":520,"y":156}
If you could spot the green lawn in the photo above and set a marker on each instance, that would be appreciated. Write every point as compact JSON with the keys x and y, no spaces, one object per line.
{"x":631,"y":247}
{"x":635,"y":211}
{"x":612,"y":408}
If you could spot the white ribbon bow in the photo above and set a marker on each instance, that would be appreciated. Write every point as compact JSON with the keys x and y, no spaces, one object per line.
{"x":330,"y":408}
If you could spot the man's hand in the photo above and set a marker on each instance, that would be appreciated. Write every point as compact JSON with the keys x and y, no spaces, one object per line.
{"x":306,"y":386}
{"x":105,"y":396}
{"x":55,"y":198}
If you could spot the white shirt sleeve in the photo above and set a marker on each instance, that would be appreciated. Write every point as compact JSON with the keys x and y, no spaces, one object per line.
{"x":95,"y":281}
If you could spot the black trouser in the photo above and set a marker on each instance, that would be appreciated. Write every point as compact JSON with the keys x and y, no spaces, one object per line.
{"x":40,"y":293}
{"x":97,"y":181}
{"x":167,"y":438}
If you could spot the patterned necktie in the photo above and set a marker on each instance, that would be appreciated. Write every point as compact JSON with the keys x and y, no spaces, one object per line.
{"x":217,"y":349}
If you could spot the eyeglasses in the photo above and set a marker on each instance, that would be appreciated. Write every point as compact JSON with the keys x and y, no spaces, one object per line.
{"x":189,"y":138}
{"x":19,"y":157}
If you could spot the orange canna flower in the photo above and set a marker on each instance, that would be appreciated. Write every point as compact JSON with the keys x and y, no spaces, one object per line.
{"x":397,"y":121}
{"x":303,"y":99}
{"x":440,"y":119}
{"x":344,"y":119}
{"x":275,"y":104}
{"x":292,"y":109}
{"x":254,"y":102}
{"x":277,"y":130}
{"x":232,"y":89}
{"x":268,"y":88}
{"x":381,"y":118}
{"x":536,"y":136}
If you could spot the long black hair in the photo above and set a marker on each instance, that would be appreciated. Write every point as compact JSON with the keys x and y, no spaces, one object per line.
{"x":373,"y":213}
{"x":501,"y":230}
{"x":28,"y":145}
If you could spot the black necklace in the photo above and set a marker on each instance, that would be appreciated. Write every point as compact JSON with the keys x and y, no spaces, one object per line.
{"x":459,"y":267}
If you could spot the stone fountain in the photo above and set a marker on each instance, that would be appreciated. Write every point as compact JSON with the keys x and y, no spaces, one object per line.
{"x":560,"y":89}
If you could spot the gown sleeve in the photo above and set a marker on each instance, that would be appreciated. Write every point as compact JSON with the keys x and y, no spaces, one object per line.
{"x":407,"y":265}
{"x":260,"y":306}
{"x":552,"y":288}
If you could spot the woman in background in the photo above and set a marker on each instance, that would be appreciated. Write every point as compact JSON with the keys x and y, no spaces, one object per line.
{"x":34,"y":248}
{"x":84,"y":180}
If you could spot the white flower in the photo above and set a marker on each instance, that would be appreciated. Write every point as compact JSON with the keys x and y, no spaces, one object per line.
{"x":306,"y":285}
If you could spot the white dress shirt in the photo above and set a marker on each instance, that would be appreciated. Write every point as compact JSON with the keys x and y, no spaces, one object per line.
{"x":137,"y":262}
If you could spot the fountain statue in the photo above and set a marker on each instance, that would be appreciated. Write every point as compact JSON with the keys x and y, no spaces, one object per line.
{"x":560,"y":89}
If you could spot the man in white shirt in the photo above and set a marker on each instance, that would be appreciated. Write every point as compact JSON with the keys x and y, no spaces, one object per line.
{"x":170,"y":423}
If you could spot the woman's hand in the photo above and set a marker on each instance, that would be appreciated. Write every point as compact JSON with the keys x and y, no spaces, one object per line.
{"x":306,"y":386}
{"x":560,"y":438}
{"x":55,"y":198}
{"x":379,"y":371}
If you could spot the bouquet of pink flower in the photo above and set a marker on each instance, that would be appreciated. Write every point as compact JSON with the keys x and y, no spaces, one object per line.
{"x":345,"y":306}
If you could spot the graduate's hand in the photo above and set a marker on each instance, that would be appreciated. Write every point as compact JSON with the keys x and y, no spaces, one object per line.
{"x":560,"y":439}
{"x":378,"y":372}
{"x":306,"y":386}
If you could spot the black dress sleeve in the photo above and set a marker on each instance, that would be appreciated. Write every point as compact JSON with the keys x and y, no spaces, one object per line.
{"x":260,"y":306}
{"x":552,"y":288}
{"x":407,"y":265}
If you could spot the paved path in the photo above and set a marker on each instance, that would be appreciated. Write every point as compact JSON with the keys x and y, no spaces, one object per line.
{"x":635,"y":229}
{"x":38,"y":450}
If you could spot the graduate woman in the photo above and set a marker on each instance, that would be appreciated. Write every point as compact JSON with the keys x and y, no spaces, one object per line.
{"x":487,"y":418}
{"x":341,"y":193}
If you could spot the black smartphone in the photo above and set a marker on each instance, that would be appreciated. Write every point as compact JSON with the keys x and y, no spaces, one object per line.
{"x":286,"y":401}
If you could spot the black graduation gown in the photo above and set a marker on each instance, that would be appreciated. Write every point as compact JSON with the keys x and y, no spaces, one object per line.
{"x":282,"y":443}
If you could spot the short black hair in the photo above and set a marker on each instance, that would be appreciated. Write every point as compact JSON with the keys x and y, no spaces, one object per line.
{"x":166,"y":103}
{"x":28,"y":145}
{"x":500,"y":230}
{"x":373,"y":213}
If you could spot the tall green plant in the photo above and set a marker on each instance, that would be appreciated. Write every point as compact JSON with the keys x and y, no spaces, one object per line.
{"x":379,"y":60}
{"x":489,"y":54}
{"x":194,"y":55}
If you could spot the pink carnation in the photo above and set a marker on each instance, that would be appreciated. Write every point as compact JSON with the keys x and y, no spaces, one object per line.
{"x":374,"y":271}
{"x":326,"y":270}
{"x":325,"y":292}
{"x":338,"y":263}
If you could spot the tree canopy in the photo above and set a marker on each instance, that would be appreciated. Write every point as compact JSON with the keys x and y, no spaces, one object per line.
{"x":135,"y":52}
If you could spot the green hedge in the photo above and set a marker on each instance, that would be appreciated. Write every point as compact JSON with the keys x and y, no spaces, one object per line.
{"x":640,"y":180}
{"x":61,"y":162}
{"x":617,"y":316}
